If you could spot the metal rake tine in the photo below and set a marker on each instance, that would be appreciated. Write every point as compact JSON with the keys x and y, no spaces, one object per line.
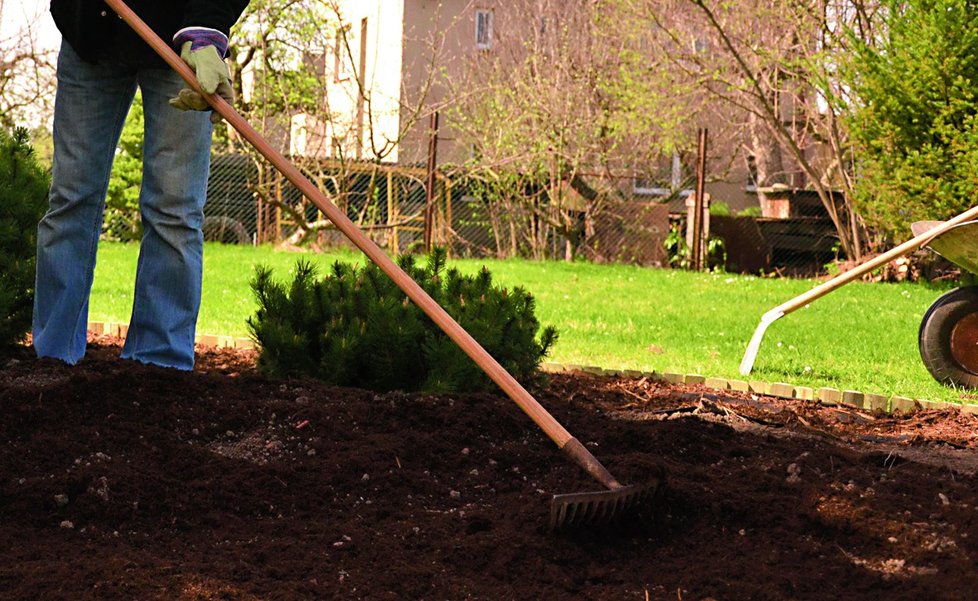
{"x":578,"y":509}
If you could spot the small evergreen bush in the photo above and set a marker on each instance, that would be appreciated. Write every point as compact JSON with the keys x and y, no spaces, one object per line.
{"x":354,"y":327}
{"x":23,"y":200}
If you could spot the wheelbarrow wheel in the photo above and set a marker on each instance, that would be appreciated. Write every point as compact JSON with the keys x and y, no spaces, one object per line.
{"x":948,"y":338}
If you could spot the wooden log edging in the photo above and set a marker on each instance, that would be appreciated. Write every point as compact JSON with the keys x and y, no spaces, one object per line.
{"x":826,"y":396}
{"x":119,"y":330}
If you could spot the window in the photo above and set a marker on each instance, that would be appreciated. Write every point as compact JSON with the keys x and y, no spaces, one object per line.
{"x":649,"y":186}
{"x":668,"y":177}
{"x":314,"y":60}
{"x":483,"y":29}
{"x":341,"y":54}
{"x":751,"y":174}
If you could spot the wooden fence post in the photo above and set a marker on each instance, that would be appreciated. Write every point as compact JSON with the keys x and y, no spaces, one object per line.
{"x":429,"y":205}
{"x":698,"y":243}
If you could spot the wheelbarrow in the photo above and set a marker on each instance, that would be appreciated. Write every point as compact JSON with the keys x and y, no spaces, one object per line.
{"x":948,"y":337}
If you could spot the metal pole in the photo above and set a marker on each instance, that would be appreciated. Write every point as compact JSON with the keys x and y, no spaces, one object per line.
{"x":697,"y":250}
{"x":429,"y":204}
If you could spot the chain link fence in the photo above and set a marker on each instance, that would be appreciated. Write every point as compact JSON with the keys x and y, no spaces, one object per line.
{"x":248,"y":202}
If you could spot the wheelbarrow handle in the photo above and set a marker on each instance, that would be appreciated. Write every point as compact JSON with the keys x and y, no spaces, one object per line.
{"x":496,"y":372}
{"x":753,"y":347}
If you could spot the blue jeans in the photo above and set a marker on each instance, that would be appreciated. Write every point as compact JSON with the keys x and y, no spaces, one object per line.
{"x":90,"y":109}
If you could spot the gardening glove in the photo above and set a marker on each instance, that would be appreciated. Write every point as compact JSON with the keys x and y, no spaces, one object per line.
{"x":204,"y":50}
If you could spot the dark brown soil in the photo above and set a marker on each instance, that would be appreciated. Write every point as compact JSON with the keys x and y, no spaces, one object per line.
{"x":123,"y":481}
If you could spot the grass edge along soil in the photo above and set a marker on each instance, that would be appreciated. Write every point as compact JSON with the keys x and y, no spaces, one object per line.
{"x":856,"y":399}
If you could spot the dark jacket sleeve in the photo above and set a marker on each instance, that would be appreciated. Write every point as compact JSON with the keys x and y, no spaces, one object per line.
{"x":215,"y":14}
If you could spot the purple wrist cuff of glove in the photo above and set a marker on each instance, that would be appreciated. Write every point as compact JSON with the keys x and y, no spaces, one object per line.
{"x":199,"y":37}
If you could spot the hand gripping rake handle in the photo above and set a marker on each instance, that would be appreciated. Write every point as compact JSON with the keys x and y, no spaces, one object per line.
{"x":570,"y":445}
{"x":747,"y":364}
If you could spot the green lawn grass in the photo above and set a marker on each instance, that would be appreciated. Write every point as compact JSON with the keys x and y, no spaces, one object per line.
{"x":861,"y":337}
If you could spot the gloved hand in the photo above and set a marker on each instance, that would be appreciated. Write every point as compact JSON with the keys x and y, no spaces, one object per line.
{"x":204,"y":49}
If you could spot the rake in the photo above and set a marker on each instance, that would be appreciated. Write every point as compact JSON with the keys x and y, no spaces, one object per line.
{"x":566,"y":510}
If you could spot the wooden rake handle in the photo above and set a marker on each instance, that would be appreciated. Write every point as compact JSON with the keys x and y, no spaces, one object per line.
{"x":496,"y":372}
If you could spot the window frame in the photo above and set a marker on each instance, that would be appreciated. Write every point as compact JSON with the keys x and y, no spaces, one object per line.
{"x":641,"y":185}
{"x":342,"y":67}
{"x":484,"y":28}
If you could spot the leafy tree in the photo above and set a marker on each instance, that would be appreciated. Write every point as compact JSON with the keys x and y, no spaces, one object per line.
{"x":567,"y":92}
{"x":283,"y":59}
{"x":27,"y":73}
{"x":916,"y":113}
{"x":122,"y":220}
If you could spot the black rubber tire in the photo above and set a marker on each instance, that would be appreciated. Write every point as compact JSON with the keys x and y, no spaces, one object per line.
{"x":934,"y":339}
{"x":226,"y":230}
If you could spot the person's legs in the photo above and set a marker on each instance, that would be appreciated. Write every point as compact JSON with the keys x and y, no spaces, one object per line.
{"x":176,"y":161}
{"x":90,"y":109}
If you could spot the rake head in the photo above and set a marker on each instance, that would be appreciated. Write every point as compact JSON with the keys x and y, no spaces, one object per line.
{"x":583,"y":509}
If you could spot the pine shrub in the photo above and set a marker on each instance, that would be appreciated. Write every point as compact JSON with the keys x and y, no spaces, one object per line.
{"x":355,"y":327}
{"x":23,"y":200}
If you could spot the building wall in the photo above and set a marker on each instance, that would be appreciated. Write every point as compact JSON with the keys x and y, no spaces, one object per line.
{"x":362,"y":124}
{"x":415,"y":50}
{"x":439,"y":35}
